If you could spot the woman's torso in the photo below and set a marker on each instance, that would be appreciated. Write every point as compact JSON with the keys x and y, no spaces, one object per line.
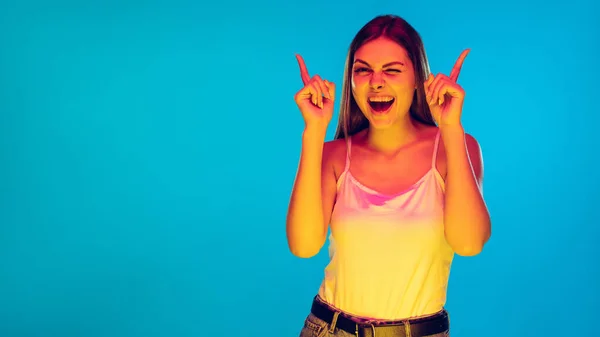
{"x":389,"y":256}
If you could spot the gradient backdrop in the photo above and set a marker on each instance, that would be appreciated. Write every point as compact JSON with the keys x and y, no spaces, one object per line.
{"x":149,"y":149}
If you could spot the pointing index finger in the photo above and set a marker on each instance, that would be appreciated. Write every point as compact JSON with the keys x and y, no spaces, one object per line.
{"x":303,"y":70}
{"x":458,"y":65}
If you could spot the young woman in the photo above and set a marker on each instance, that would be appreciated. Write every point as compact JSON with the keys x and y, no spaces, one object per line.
{"x":400,"y":187}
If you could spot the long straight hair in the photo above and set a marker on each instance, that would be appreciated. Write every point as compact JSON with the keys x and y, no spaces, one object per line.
{"x":351,"y":120}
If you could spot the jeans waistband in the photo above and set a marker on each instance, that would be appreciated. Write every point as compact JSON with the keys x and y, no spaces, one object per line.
{"x":422,"y":326}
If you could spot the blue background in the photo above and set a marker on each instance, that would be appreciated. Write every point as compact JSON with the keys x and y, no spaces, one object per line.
{"x":149,"y":149}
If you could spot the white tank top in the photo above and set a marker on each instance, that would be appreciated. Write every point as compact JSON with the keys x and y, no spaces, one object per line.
{"x":389,"y":257}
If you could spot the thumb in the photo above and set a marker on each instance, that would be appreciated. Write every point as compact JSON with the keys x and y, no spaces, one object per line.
{"x":330,"y":89}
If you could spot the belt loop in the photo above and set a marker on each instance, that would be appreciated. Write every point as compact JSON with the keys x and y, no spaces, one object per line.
{"x":373,"y":329}
{"x":334,"y":321}
{"x":407,"y":328}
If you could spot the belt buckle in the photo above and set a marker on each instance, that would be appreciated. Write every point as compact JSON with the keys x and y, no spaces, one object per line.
{"x":384,"y":330}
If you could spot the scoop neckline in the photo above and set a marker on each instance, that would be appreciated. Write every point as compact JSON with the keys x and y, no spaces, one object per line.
{"x":370,"y":190}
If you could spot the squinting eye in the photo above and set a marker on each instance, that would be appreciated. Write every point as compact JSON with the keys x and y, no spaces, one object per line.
{"x":360,"y":70}
{"x":393,"y":70}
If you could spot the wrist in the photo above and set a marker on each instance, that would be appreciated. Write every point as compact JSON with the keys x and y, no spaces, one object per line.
{"x":314,"y":132}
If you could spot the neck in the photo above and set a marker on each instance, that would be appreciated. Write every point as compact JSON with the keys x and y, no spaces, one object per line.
{"x":394,"y":137}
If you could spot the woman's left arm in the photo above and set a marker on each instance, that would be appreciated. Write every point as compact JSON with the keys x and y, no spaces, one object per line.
{"x":467,"y":222}
{"x":466,"y":217}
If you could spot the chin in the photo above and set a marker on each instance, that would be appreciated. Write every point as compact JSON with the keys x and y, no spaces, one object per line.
{"x":379,"y":123}
{"x":382,"y":120}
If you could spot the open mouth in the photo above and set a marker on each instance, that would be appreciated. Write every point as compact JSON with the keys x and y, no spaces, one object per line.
{"x":381,"y":104}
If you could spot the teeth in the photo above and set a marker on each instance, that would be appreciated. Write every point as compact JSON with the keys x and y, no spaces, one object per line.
{"x":381,"y":99}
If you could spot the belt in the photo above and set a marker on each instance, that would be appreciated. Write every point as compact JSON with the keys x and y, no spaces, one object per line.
{"x":426,"y":326}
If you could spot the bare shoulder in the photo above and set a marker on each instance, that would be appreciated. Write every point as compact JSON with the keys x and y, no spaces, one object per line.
{"x":475,"y":156}
{"x":472,"y":143}
{"x":334,"y":154}
{"x":334,"y":145}
{"x":473,"y":148}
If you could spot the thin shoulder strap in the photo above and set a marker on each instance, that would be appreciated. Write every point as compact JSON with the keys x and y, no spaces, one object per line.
{"x":435,"y":149}
{"x":348,"y":152}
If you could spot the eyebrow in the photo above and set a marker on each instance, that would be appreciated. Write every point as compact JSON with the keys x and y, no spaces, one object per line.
{"x":385,"y":65}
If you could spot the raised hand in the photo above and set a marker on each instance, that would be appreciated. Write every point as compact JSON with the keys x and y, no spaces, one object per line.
{"x":444,"y":96}
{"x":315,"y":99}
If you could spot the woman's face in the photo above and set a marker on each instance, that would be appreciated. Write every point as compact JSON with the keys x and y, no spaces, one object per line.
{"x":383,"y":82}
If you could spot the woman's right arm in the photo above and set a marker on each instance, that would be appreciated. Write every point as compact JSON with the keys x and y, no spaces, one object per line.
{"x":314,"y":188}
{"x":313,"y":196}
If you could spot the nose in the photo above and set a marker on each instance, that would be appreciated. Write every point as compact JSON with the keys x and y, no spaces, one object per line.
{"x":376,"y":81}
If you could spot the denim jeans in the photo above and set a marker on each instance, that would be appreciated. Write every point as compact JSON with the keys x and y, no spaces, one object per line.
{"x":315,"y":327}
